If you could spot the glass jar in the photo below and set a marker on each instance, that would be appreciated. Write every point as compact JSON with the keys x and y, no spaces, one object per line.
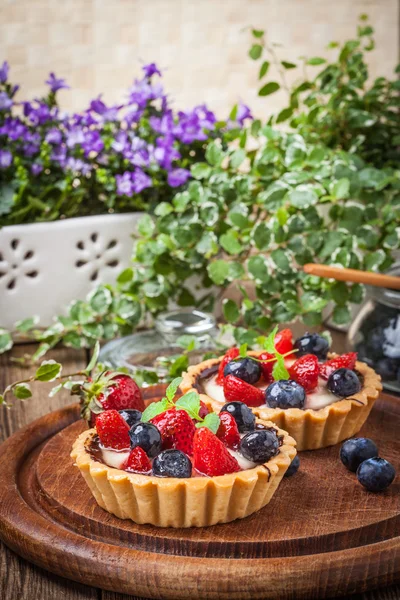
{"x":149,"y":349}
{"x":375,"y":333}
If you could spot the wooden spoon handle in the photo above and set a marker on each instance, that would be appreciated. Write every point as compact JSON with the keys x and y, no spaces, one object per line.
{"x":353,"y":275}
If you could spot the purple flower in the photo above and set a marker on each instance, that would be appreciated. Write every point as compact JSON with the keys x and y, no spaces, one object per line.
{"x":4,"y":72}
{"x":189,"y":128}
{"x":59,"y":154}
{"x":140,"y":181}
{"x":243,"y":113}
{"x":151,"y":69}
{"x":56,"y":83}
{"x":38,"y":114}
{"x":133,"y":116}
{"x":92,"y":142}
{"x":77,"y":165}
{"x":120,"y":142}
{"x":36,"y":168}
{"x":53,"y":136}
{"x":5,"y":159}
{"x":124,"y":184}
{"x":165,"y":153}
{"x":107,"y":113}
{"x":5,"y":101}
{"x":178,"y":177}
{"x":206,"y":117}
{"x":164,"y":124}
{"x":75,"y":136}
{"x":13,"y":128}
{"x":144,"y":91}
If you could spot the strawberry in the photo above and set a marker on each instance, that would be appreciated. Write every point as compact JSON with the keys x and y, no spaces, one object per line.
{"x":230,"y":355}
{"x":210,"y":456}
{"x":203,"y":410}
{"x":236,"y":389}
{"x":305,"y":371}
{"x":345,"y":360}
{"x":267,"y":367}
{"x":177,"y":430}
{"x":113,"y":430}
{"x":284,"y":341}
{"x":137,"y":462}
{"x":228,"y":431}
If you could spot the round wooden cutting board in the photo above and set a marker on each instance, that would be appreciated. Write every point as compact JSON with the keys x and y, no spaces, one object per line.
{"x":322,"y":535}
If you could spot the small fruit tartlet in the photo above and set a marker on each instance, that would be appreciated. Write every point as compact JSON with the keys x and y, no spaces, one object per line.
{"x":179,"y":465}
{"x":320,"y":399}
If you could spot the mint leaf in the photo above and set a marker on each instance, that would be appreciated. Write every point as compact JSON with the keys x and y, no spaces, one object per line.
{"x":190,"y":402}
{"x":26,"y":324}
{"x":173,"y":388}
{"x":154,"y":409}
{"x":49,"y":370}
{"x":211,"y":421}
{"x":22,"y":391}
{"x":279,"y":371}
{"x":269,"y":343}
{"x":95,"y":356}
{"x":243,"y":351}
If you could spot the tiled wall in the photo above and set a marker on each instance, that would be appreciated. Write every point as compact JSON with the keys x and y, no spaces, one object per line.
{"x":98,"y":45}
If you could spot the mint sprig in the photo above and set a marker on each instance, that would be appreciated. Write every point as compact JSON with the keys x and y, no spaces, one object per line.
{"x":279,"y":370}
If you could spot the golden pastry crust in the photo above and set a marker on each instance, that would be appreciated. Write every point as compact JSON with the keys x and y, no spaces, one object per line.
{"x":172,"y":502}
{"x":312,"y":429}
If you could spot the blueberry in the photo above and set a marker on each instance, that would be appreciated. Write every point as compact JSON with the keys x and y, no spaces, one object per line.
{"x":259,"y":446}
{"x":245,"y":420}
{"x":172,"y":463}
{"x":247,"y":369}
{"x":131,"y":415}
{"x":293,"y":467}
{"x":312,"y":343}
{"x":353,"y":452}
{"x":285,"y":394}
{"x":375,"y":474}
{"x":343,"y":382}
{"x":387,"y":368}
{"x":147,"y":437}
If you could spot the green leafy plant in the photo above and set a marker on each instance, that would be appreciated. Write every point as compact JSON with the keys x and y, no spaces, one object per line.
{"x":337,"y":106}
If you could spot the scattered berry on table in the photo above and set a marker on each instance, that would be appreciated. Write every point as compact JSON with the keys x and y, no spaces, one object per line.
{"x":172,"y":463}
{"x":247,"y":369}
{"x":112,"y":430}
{"x":354,"y":451}
{"x":285,"y":394}
{"x":228,"y":431}
{"x":260,"y":446}
{"x":245,"y":419}
{"x":147,"y":437}
{"x":177,"y":429}
{"x":137,"y":462}
{"x":238,"y":390}
{"x":343,"y":382}
{"x":210,"y":456}
{"x":230,"y":355}
{"x":131,"y":415}
{"x":305,"y":371}
{"x":293,"y":467}
{"x":376,"y":474}
{"x":345,"y":360}
{"x":312,"y":343}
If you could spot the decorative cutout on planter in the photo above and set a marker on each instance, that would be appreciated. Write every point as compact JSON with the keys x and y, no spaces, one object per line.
{"x":95,"y":254}
{"x":17,"y":269}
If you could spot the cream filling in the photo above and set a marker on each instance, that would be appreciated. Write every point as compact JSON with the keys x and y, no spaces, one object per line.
{"x":316,"y":400}
{"x":114,"y":458}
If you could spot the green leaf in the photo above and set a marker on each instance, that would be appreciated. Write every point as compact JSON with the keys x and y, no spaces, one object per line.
{"x":26,"y":324}
{"x":264,"y":69}
{"x":214,"y":154}
{"x":373,"y":260}
{"x":146,"y":226}
{"x":288,"y":65}
{"x":357,"y":293}
{"x":179,"y":365}
{"x":255,"y":51}
{"x":258,"y":268}
{"x":163,"y":209}
{"x":125,"y":276}
{"x":94,"y":357}
{"x":100,"y":299}
{"x":6,"y":199}
{"x":285,"y":114}
{"x":6,"y":342}
{"x":236,"y":158}
{"x":231,"y":311}
{"x":49,"y":370}
{"x":302,"y":198}
{"x":269,"y":88}
{"x":200,"y":170}
{"x":22,"y":391}
{"x":341,"y":315}
{"x":279,"y":371}
{"x":341,"y":188}
{"x":269,"y":342}
{"x":312,"y":302}
{"x":230,"y":243}
{"x":258,"y":33}
{"x":190,"y":402}
{"x":282,"y":215}
{"x":243,"y":350}
{"x":316,"y":60}
{"x":211,"y":421}
{"x":262,"y":236}
{"x":154,"y":409}
{"x":281,"y":260}
{"x":218,"y":271}
{"x":171,"y":390}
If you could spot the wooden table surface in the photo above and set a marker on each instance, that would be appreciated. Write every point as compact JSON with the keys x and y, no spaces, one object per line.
{"x":22,"y":580}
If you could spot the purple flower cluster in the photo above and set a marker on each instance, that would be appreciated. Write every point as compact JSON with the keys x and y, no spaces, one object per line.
{"x":127,"y":148}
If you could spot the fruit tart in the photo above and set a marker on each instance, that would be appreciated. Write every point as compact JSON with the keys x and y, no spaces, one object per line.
{"x":319,"y":398}
{"x":178,"y":465}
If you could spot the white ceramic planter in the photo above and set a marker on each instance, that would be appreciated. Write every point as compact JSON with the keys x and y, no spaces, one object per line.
{"x":43,"y":266}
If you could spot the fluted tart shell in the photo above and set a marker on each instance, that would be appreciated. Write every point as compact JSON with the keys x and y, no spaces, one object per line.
{"x":191,"y":502}
{"x":312,"y":429}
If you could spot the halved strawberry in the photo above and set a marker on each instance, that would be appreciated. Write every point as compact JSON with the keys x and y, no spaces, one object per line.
{"x":228,"y":431}
{"x":203,"y":409}
{"x":137,"y":461}
{"x":236,"y":389}
{"x":210,"y":456}
{"x":284,"y":341}
{"x":345,"y":360}
{"x":230,"y":355}
{"x":267,"y":367}
{"x":305,"y":371}
{"x":177,"y":430}
{"x":113,"y":430}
